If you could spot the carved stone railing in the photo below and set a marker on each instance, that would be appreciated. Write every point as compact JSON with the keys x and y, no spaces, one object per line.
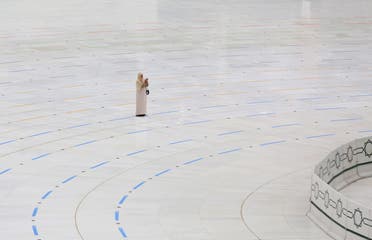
{"x":338,"y":215}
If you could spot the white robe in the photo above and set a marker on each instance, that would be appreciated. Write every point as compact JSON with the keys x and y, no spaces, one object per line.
{"x":141,"y":99}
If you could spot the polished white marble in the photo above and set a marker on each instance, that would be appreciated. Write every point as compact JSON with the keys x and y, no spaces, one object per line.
{"x":246,"y":97}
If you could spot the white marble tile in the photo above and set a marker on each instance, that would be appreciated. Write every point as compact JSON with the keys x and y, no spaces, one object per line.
{"x":246,"y":97}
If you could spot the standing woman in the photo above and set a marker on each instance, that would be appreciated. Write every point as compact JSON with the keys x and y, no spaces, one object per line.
{"x":141,"y":97}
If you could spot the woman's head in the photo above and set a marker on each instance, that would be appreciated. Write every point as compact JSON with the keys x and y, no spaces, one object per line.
{"x":140,"y":76}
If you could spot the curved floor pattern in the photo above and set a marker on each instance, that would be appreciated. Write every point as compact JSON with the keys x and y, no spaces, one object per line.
{"x":246,"y":96}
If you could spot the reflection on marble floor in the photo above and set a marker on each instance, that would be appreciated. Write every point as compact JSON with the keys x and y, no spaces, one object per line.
{"x":246,"y":97}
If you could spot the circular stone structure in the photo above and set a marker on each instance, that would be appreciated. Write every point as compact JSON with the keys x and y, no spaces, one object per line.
{"x":338,"y":215}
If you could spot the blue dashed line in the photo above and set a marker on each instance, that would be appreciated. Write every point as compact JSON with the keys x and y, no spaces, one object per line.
{"x":362,"y":95}
{"x":286,"y":125}
{"x":85,"y":143}
{"x":118,"y":119}
{"x":139,"y":131}
{"x":99,"y":165}
{"x":261,"y":114}
{"x":121,"y":230}
{"x":345,"y":119}
{"x":228,"y":133}
{"x":215,"y":106}
{"x":6,"y":142}
{"x":163,"y":172}
{"x":5,"y":171}
{"x":182,"y":141}
{"x":322,"y":135}
{"x":230,"y":151}
{"x":259,"y":102}
{"x":364,"y":131}
{"x":192,"y":161}
{"x":329,"y":108}
{"x":34,"y":213}
{"x":77,"y":126}
{"x":41,"y":156}
{"x":69,"y":179}
{"x":161,"y":113}
{"x":137,"y":152}
{"x":271,"y":143}
{"x":123,"y":199}
{"x":139,"y":185}
{"x":311,"y":98}
{"x":116,"y":215}
{"x":34,"y":229}
{"x":46,"y":195}
{"x":39,"y":134}
{"x":196,"y":122}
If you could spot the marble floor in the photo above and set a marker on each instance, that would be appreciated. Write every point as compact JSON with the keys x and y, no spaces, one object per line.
{"x":246,"y":97}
